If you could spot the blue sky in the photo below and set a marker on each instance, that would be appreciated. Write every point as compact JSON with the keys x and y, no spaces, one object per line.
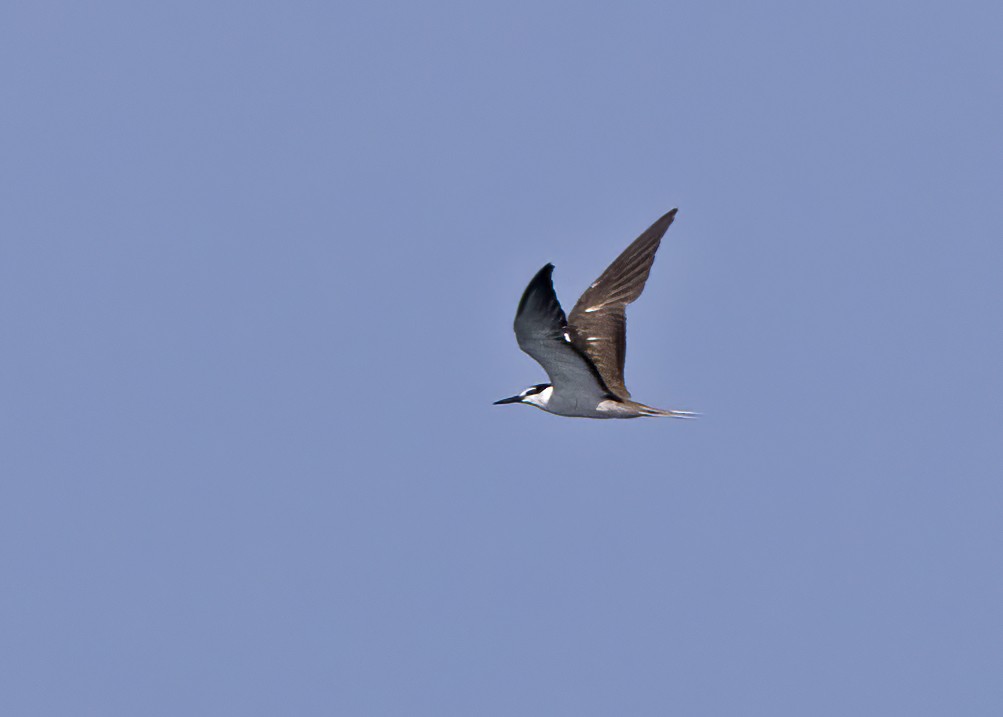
{"x":258,"y":270}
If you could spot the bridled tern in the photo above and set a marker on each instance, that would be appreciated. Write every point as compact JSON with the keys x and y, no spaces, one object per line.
{"x":583,"y":354}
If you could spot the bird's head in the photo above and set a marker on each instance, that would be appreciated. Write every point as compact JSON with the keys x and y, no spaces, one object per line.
{"x":538,"y":395}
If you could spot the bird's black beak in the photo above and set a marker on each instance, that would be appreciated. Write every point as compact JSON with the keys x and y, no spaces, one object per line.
{"x":510,"y":399}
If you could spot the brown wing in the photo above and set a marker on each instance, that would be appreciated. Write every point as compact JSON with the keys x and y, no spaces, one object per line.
{"x":598,"y":323}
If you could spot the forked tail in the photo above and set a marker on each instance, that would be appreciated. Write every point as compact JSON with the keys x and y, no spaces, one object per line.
{"x":654,"y":412}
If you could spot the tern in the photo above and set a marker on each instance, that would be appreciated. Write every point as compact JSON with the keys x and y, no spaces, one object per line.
{"x":583,"y":354}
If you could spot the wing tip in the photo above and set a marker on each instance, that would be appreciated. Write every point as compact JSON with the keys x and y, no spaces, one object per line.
{"x":544,"y":274}
{"x":542,"y":278}
{"x":668,"y":217}
{"x":656,"y":231}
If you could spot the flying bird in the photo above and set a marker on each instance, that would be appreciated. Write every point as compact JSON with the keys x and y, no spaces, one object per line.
{"x":583,"y":354}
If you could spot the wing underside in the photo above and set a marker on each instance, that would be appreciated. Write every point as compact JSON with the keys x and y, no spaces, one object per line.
{"x":542,"y":332}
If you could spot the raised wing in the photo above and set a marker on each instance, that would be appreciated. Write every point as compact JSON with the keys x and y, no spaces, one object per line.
{"x":598,"y":323}
{"x":541,"y":330}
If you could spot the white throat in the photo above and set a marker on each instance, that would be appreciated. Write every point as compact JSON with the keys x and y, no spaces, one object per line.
{"x":540,"y":399}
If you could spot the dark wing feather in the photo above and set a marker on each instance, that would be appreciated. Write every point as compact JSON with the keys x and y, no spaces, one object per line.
{"x":540,"y":328}
{"x":598,"y":323}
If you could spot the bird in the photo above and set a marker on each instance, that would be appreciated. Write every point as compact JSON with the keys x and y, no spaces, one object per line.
{"x":583,"y":354}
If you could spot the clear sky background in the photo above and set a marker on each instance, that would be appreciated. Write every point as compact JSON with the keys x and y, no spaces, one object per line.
{"x":258,"y":267}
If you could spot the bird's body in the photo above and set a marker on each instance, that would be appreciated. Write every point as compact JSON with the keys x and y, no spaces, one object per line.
{"x":584,"y":354}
